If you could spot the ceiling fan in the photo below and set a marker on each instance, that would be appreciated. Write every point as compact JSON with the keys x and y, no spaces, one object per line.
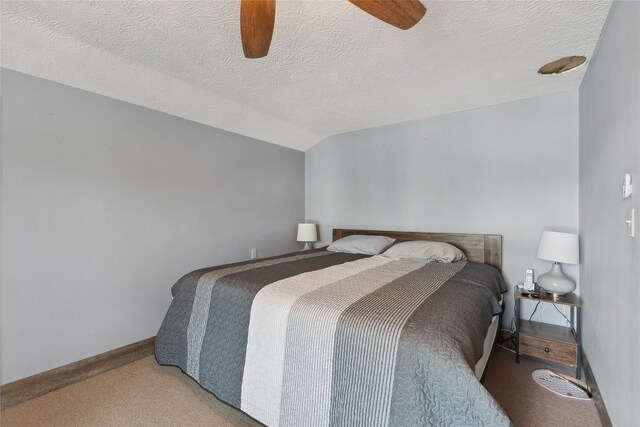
{"x":257,"y":18}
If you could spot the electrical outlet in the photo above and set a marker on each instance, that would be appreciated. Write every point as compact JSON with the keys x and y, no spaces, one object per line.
{"x":254,"y":253}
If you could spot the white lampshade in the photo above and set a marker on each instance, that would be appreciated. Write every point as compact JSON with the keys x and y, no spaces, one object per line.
{"x":559,"y":247}
{"x":307,"y":233}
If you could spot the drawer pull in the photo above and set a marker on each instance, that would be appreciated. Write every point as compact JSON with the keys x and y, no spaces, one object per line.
{"x":546,"y":349}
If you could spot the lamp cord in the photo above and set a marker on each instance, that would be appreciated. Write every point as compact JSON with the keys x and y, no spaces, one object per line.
{"x":563,"y":314}
{"x":534,"y":310}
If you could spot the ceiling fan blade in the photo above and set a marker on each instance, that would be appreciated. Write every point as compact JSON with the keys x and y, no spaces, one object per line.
{"x":403,"y":14}
{"x":256,"y":26}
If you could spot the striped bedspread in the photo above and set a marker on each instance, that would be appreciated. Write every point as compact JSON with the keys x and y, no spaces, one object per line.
{"x":319,"y":338}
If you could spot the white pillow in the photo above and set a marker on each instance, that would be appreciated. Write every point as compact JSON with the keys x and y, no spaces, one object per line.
{"x":357,"y":244}
{"x":427,"y":250}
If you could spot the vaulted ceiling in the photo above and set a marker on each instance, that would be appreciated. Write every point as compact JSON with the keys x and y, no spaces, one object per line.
{"x":331,"y":69}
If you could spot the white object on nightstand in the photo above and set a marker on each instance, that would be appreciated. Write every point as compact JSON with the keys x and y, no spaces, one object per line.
{"x":529,"y":285}
{"x":307,"y":233}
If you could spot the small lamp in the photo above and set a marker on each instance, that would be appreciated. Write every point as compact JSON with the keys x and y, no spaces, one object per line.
{"x":307,"y":233}
{"x":557,"y":247}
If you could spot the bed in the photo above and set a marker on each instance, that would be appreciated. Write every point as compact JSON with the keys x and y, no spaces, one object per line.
{"x":318,"y":338}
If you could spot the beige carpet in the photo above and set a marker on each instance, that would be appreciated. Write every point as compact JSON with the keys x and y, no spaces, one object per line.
{"x":529,"y":404}
{"x":146,"y":394}
{"x":141,"y":393}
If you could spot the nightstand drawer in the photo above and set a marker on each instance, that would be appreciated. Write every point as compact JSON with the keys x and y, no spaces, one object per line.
{"x":551,"y":350}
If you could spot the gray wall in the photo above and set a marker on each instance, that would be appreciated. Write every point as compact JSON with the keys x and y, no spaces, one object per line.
{"x":106,"y":204}
{"x":1,"y":175}
{"x":510,"y":169}
{"x":610,"y":269}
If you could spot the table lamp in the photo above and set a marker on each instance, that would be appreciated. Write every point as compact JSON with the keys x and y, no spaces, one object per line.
{"x":559,"y":248}
{"x":307,"y":233}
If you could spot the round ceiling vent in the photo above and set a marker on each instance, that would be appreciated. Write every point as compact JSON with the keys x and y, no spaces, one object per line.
{"x":563,"y":64}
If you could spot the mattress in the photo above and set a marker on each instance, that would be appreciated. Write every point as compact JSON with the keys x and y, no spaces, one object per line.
{"x":487,"y":346}
{"x":320,"y":338}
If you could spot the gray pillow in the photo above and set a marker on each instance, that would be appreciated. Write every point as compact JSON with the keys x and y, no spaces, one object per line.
{"x":357,"y":244}
{"x":427,"y":250}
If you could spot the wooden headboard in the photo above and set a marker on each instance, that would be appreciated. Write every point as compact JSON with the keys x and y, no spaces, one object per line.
{"x":484,"y":248}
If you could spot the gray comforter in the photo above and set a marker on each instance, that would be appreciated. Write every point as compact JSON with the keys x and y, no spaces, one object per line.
{"x":319,"y":338}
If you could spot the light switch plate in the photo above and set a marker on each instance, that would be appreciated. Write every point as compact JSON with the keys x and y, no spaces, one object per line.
{"x":631,"y":223}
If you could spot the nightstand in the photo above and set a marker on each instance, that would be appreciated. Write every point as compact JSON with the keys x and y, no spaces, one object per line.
{"x":553,"y":343}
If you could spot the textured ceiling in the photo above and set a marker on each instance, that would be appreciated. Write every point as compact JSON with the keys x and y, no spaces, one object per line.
{"x":331,"y":68}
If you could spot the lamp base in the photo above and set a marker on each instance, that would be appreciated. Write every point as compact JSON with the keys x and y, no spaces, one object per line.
{"x":307,"y":246}
{"x":555,"y":282}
